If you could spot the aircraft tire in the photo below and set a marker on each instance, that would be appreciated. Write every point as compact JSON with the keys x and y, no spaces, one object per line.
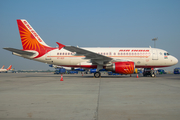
{"x":153,"y":74}
{"x":97,"y":74}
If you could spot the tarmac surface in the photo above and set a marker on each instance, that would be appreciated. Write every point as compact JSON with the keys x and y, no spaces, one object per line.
{"x":42,"y":96}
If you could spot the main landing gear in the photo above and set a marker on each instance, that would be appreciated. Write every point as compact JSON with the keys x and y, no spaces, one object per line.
{"x":149,"y":71}
{"x":97,"y":74}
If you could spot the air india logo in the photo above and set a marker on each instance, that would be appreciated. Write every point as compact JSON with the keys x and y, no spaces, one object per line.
{"x":29,"y":42}
{"x":32,"y":31}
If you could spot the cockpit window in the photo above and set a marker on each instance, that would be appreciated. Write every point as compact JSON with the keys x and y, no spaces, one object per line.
{"x":166,"y":54}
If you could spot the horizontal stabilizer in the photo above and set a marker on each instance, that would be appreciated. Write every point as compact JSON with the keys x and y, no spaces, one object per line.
{"x":21,"y":52}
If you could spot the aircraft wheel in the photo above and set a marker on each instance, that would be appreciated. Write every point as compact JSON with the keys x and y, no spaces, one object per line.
{"x":153,"y":74}
{"x":97,"y":74}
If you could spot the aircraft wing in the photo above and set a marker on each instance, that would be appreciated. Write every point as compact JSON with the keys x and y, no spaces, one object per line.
{"x":95,"y":58}
{"x":21,"y":52}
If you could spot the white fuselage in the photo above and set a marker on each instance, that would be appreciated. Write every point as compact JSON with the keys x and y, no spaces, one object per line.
{"x":3,"y":70}
{"x":142,"y":57}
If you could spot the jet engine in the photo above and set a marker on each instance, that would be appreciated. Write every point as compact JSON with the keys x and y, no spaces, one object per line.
{"x":124,"y":67}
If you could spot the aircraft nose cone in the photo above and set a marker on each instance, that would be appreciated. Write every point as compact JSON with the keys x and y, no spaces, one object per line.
{"x":175,"y":60}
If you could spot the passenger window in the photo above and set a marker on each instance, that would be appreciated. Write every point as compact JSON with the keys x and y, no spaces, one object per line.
{"x":164,"y":53}
{"x":160,"y":53}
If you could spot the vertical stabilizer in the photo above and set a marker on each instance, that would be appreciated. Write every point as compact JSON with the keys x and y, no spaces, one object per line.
{"x":27,"y":33}
{"x":31,"y":40}
{"x":2,"y":67}
{"x":9,"y":68}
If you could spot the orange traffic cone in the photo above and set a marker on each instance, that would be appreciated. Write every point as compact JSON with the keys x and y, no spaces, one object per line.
{"x":61,"y":78}
{"x":137,"y":76}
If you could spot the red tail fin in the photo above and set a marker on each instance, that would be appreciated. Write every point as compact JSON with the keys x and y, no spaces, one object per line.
{"x":2,"y":67}
{"x":31,"y":40}
{"x":9,"y":68}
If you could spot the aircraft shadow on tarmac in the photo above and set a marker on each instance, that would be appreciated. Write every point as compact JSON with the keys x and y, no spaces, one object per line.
{"x":79,"y":76}
{"x":164,"y":76}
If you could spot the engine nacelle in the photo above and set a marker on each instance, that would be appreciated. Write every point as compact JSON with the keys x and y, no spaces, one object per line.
{"x":124,"y":67}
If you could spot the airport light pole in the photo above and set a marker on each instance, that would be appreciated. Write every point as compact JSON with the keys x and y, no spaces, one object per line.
{"x":154,"y":39}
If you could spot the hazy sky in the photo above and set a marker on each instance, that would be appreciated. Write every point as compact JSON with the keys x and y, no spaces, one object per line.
{"x":90,"y":23}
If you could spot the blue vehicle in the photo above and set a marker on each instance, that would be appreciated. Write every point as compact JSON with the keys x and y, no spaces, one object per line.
{"x":60,"y":71}
{"x":95,"y":70}
{"x":92,"y":71}
{"x":177,"y":71}
{"x":112,"y":73}
{"x":79,"y":69}
{"x":72,"y":72}
{"x":161,"y":71}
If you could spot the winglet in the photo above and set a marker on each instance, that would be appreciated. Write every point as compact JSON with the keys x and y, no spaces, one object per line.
{"x":60,"y":45}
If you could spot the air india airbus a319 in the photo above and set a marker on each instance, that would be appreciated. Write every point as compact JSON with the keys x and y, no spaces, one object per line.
{"x":118,"y":60}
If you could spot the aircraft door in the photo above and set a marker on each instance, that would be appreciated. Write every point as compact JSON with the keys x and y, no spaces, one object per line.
{"x":154,"y":55}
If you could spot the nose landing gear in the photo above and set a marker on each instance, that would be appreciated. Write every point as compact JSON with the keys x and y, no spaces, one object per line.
{"x":149,"y":72}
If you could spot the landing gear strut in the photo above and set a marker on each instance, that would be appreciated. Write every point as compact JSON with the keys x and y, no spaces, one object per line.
{"x":153,"y":73}
{"x":97,"y":74}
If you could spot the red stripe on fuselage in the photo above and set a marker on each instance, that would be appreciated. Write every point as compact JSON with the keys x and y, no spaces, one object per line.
{"x":95,"y":66}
